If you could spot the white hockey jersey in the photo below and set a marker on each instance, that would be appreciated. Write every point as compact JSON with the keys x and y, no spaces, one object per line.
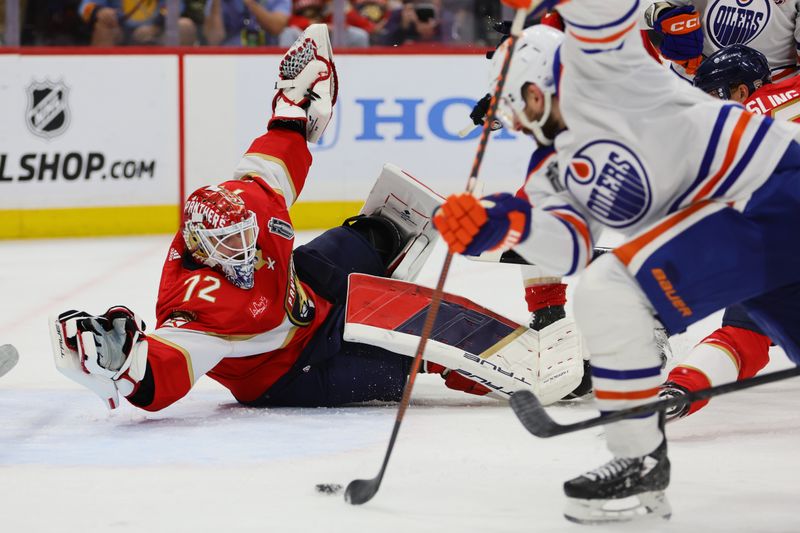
{"x":641,"y":144}
{"x":769,"y":26}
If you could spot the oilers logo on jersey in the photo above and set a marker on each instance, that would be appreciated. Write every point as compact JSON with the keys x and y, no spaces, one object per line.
{"x":736,"y":21}
{"x":619,"y":193}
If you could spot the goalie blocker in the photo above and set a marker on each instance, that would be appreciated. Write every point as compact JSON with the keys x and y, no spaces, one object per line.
{"x":478,"y":344}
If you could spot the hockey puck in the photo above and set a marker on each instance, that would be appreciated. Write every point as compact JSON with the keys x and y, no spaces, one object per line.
{"x":328,"y":488}
{"x":8,"y":358}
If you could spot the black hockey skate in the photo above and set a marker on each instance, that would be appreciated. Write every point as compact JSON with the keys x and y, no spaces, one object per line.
{"x":622,"y":490}
{"x":547,"y":315}
{"x":585,"y":386}
{"x":671,"y":390}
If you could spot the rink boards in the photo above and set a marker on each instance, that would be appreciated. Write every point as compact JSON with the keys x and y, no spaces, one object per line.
{"x":110,"y":142}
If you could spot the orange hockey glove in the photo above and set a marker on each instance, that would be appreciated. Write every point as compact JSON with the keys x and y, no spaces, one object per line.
{"x":470,"y":226}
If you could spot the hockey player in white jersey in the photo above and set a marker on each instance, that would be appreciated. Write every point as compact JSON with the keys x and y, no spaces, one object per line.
{"x":706,"y":193}
{"x":770,"y":26}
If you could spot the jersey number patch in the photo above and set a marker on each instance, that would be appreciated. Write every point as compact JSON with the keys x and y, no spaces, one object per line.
{"x":210,"y":284}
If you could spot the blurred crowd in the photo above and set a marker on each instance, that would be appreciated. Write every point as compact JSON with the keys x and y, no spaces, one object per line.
{"x":254,"y":22}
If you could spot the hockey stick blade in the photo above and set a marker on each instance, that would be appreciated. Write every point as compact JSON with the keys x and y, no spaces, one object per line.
{"x":533,"y":416}
{"x":361,"y":491}
{"x":8,"y":358}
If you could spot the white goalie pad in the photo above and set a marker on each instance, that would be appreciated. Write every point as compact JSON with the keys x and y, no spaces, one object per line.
{"x":389,"y":313}
{"x":68,"y":362}
{"x":409,"y":204}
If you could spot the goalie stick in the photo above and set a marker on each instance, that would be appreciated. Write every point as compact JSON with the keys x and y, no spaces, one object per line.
{"x":360,"y":491}
{"x":533,"y":416}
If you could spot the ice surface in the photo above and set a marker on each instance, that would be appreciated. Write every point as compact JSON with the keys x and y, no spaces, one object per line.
{"x":461,"y":463}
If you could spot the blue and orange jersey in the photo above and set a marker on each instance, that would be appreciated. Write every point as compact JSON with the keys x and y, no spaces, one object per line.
{"x":640,"y":144}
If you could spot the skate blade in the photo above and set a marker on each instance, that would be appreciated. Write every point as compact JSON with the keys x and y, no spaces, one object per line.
{"x":642,"y":506}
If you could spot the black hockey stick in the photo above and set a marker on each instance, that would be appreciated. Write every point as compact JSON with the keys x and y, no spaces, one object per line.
{"x":536,"y":420}
{"x":513,"y":258}
{"x":362,"y":490}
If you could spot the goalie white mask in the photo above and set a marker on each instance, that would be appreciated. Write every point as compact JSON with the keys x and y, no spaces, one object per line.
{"x":221,"y":233}
{"x":532,"y":62}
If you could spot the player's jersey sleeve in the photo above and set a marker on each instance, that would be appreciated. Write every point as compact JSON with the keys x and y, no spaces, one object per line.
{"x":603,"y":36}
{"x":562,"y":235}
{"x":178,"y":356}
{"x":175,"y":360}
{"x":281,"y":159}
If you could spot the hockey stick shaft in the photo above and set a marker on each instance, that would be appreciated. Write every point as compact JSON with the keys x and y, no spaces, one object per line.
{"x":360,"y":490}
{"x":513,"y":258}
{"x":536,"y":420}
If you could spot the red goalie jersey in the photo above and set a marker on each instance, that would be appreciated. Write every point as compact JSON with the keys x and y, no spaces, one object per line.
{"x":244,"y":339}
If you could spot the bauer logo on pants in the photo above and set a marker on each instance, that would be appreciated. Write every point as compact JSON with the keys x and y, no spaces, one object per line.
{"x":608,"y":178}
{"x":47,"y":114}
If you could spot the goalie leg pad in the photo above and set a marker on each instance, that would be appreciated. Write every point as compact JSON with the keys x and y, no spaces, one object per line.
{"x":408,"y":204}
{"x":479,"y":344}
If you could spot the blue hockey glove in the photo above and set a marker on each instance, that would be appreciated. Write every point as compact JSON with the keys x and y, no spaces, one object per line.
{"x":683,"y":36}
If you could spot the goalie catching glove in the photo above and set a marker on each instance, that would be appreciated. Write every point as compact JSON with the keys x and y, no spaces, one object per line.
{"x":307,"y":84}
{"x":106,"y":353}
{"x":471,"y":226}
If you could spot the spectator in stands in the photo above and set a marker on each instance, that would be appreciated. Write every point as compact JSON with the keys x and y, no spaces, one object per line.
{"x":415,"y":21}
{"x":376,"y":11}
{"x":246,"y":22}
{"x":306,"y":12}
{"x":140,"y":22}
{"x":469,"y":21}
{"x":53,"y":23}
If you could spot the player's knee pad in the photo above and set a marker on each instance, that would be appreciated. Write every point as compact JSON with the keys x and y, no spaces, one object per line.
{"x":380,"y":232}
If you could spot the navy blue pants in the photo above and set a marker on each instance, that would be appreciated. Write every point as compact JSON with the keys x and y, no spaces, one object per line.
{"x":727,"y":257}
{"x":737,"y":316}
{"x":331,"y":371}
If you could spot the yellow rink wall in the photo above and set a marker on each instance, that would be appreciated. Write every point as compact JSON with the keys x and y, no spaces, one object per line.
{"x":142,"y":220}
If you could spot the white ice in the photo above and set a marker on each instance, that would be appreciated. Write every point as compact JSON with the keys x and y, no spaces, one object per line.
{"x":461,"y":463}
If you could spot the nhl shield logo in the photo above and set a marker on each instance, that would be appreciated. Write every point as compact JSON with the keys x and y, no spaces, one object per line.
{"x":47,"y":114}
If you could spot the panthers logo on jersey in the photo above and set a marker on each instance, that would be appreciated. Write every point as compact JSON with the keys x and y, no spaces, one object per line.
{"x":610,"y":180}
{"x":736,"y":21}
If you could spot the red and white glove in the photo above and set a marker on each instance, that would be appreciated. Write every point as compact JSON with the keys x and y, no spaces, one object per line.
{"x":307,"y":84}
{"x":106,"y":353}
{"x":471,"y":226}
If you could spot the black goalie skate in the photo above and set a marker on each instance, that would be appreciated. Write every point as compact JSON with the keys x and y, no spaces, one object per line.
{"x":622,"y":490}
